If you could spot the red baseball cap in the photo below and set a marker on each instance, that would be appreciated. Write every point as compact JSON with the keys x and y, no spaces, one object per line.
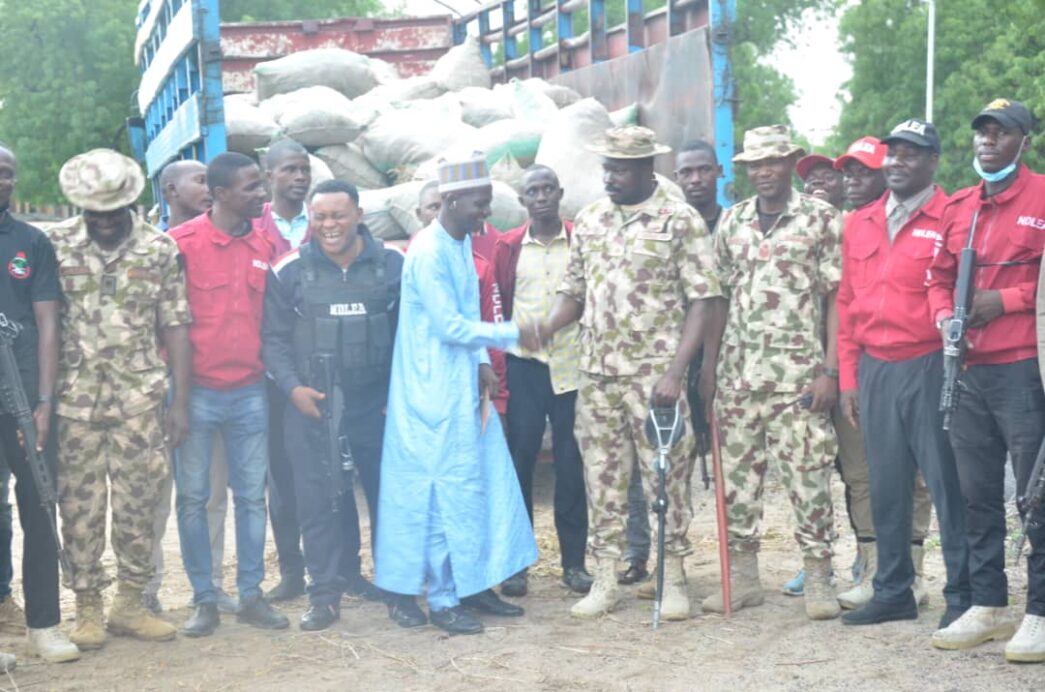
{"x":807,"y":163}
{"x":866,"y":150}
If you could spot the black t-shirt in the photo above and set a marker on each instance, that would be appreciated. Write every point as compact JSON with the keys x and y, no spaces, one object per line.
{"x":28,"y":274}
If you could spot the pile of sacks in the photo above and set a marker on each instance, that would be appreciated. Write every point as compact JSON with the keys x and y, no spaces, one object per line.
{"x":364,"y":124}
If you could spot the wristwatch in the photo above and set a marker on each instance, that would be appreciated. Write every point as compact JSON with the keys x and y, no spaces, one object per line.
{"x":830,"y":372}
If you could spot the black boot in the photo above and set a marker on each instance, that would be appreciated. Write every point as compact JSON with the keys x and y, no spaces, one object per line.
{"x":404,"y":611}
{"x":258,"y":613}
{"x":359,"y":587}
{"x":203,"y":621}
{"x":320,"y":617}
{"x":950,"y":615}
{"x":456,"y":621}
{"x":577,"y":579}
{"x":488,"y":602}
{"x":289,"y":587}
{"x":876,"y":612}
{"x":635,"y":573}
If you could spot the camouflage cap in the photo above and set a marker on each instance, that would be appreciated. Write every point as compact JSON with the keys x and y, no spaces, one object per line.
{"x":101,"y":180}
{"x":769,"y":142}
{"x":628,"y":142}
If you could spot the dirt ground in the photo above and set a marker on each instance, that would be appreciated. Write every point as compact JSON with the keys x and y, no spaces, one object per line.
{"x":770,"y":647}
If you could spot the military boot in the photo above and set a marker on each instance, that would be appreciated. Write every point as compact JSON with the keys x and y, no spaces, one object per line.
{"x":921,"y":594}
{"x":604,"y":595}
{"x":647,"y":590}
{"x":127,"y":617}
{"x":863,"y":590}
{"x":745,"y":587}
{"x":821,"y":601}
{"x":675,"y":602}
{"x":89,"y":632}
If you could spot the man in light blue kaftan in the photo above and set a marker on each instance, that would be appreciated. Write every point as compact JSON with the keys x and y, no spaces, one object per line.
{"x":450,"y":513}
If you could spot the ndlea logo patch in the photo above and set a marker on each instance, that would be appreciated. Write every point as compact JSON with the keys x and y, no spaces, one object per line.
{"x":19,"y":267}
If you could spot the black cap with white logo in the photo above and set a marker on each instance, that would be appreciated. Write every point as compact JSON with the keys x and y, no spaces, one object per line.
{"x":1007,"y":113}
{"x":917,"y":132}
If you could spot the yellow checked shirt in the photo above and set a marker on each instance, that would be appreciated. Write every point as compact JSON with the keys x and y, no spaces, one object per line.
{"x":537,"y":277}
{"x":636,"y":270}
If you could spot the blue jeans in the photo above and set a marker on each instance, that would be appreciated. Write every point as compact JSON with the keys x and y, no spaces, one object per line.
{"x":240,"y":416}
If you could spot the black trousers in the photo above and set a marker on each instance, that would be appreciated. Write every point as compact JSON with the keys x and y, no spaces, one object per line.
{"x":39,"y":550}
{"x":531,"y":403}
{"x":329,"y":529}
{"x":1001,"y":409}
{"x":283,"y":511}
{"x":6,"y":530}
{"x":903,"y":434}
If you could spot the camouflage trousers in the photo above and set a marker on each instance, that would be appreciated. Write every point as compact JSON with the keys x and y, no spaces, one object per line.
{"x":852,"y":464}
{"x":757,"y":426}
{"x":129,"y":459}
{"x":611,"y":418}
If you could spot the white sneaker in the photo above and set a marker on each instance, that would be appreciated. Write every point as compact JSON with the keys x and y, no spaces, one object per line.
{"x":977,"y":625}
{"x":51,"y":644}
{"x":1028,"y":646}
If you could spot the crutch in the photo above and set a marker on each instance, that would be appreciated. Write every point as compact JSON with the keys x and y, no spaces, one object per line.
{"x":664,"y":430}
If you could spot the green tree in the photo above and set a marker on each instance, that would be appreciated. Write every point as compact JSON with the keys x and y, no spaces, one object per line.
{"x":984,"y":50}
{"x":275,"y":10}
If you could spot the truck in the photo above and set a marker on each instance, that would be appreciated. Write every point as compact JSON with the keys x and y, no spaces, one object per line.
{"x":672,"y":61}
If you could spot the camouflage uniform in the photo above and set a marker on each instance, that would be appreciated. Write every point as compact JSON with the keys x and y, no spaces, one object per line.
{"x":111,"y":386}
{"x":770,"y":352}
{"x":636,"y":270}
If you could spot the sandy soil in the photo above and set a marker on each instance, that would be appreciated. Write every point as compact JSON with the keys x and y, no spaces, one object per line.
{"x":770,"y":647}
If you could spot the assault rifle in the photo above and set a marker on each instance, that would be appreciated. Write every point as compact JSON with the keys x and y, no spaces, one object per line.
{"x":1032,"y":500}
{"x":954,"y":345}
{"x":323,"y":369}
{"x":15,"y":402}
{"x":664,"y":429}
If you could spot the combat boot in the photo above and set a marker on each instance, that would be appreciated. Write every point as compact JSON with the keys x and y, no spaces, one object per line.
{"x":821,"y":601}
{"x":979,"y":624}
{"x":921,"y":594}
{"x":675,"y":602}
{"x":89,"y":632}
{"x":604,"y":595}
{"x":745,"y":587}
{"x":12,"y":618}
{"x":863,"y":590}
{"x":647,"y":590}
{"x":127,"y":617}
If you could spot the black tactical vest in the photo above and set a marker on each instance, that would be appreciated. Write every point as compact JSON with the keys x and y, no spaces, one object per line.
{"x":347,"y":315}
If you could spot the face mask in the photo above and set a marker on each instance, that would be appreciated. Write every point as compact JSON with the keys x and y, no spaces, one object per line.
{"x":998,"y":176}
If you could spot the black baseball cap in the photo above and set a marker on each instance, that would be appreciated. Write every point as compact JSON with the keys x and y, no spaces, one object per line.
{"x":1007,"y":113}
{"x":917,"y":132}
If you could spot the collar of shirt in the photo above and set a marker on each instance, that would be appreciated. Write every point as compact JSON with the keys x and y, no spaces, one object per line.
{"x":747,"y":211}
{"x":1010,"y":192}
{"x":80,"y":237}
{"x":292,"y":228}
{"x":657,"y":204}
{"x":911,"y":204}
{"x":528,"y":238}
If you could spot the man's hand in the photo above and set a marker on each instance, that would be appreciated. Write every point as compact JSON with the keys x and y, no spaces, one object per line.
{"x":42,"y":419}
{"x":306,"y":400}
{"x":488,"y":382}
{"x":176,"y":425}
{"x":825,"y":394}
{"x":986,"y":306}
{"x":850,"y":407}
{"x":529,"y":336}
{"x":668,"y":389}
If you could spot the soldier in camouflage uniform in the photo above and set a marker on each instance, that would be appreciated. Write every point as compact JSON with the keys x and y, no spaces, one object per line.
{"x":123,"y":295}
{"x":778,"y":259}
{"x":640,"y":270}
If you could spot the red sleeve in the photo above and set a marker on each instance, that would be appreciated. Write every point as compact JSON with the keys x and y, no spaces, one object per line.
{"x":848,"y":349}
{"x":490,"y":311}
{"x":943,"y":271}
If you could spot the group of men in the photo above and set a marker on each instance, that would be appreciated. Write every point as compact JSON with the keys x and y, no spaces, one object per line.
{"x":280,"y":346}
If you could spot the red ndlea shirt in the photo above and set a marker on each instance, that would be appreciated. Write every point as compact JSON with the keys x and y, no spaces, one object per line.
{"x":226,"y":286}
{"x":1010,"y":235}
{"x":882,"y":305}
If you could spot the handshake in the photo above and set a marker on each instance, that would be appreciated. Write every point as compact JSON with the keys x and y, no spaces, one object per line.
{"x":533,"y":336}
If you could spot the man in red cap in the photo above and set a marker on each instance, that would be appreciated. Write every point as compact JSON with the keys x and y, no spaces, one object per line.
{"x":1001,"y":410}
{"x":821,"y":179}
{"x":861,"y":167}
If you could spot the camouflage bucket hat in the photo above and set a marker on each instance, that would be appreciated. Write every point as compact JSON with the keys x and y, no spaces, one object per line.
{"x":769,"y":142}
{"x":629,"y":142}
{"x":101,"y":180}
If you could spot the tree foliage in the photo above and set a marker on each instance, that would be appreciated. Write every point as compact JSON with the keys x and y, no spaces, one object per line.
{"x":984,"y":50}
{"x":275,"y":10}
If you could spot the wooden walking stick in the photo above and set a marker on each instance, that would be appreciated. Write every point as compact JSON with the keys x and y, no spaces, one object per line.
{"x":720,"y":514}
